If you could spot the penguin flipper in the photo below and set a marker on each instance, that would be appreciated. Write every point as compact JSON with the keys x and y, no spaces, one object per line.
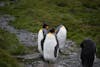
{"x":56,"y":50}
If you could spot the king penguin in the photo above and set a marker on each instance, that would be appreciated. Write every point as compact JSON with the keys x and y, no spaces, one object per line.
{"x":61,"y":33}
{"x":41,"y":36}
{"x":51,"y":46}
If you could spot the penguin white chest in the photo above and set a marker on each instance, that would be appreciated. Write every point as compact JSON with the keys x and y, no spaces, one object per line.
{"x":50,"y":44}
{"x":61,"y":36}
{"x":40,"y":38}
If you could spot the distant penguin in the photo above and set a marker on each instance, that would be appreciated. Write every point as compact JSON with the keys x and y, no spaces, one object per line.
{"x":41,"y":36}
{"x":61,"y":33}
{"x":51,"y":46}
{"x":88,"y":53}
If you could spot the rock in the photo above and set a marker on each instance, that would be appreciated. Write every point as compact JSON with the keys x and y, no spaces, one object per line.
{"x":25,"y":37}
{"x":64,"y":60}
{"x":2,"y":4}
{"x":32,"y":56}
{"x":9,"y":18}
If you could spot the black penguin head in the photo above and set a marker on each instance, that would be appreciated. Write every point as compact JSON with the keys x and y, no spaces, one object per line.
{"x":45,"y":25}
{"x":52,"y":30}
{"x":87,"y":42}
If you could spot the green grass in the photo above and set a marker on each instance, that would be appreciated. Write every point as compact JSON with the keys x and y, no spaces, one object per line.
{"x":10,"y":43}
{"x":82,"y":18}
{"x":6,"y":60}
{"x":9,"y":46}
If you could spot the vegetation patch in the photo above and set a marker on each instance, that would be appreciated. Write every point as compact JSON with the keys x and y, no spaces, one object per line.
{"x":80,"y":17}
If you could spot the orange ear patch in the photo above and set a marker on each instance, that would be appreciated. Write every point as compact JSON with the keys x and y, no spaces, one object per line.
{"x":50,"y":34}
{"x":40,"y":30}
{"x":63,"y":27}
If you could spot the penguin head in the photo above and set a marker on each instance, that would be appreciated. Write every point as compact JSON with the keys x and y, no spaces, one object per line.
{"x":46,"y":26}
{"x":63,"y":27}
{"x":52,"y":30}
